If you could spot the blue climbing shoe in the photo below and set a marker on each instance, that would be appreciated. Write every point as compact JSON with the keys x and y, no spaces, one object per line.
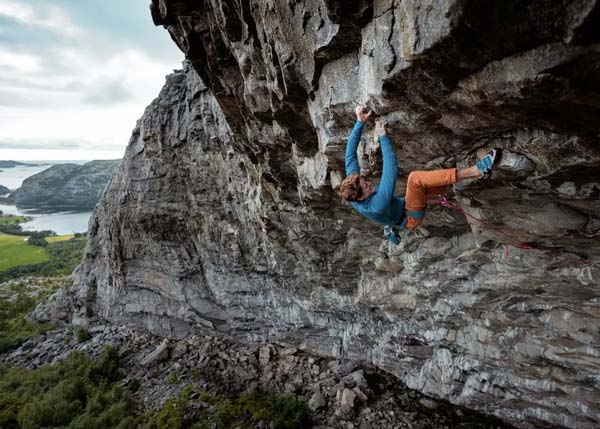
{"x":485,"y":164}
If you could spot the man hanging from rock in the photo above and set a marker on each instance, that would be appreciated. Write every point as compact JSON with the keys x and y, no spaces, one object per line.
{"x":378,"y":203}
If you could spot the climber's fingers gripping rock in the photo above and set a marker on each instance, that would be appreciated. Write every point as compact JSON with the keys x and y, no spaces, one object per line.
{"x":380,"y":128}
{"x":362,"y":113}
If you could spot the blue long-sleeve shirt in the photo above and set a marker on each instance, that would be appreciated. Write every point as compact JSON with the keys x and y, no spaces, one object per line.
{"x":382,"y":206}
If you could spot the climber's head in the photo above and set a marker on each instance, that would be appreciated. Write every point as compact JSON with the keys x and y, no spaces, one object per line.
{"x":356,"y":188}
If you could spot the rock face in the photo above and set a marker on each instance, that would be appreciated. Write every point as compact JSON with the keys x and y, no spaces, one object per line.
{"x":4,"y":190}
{"x":224,"y":216}
{"x":66,"y":185}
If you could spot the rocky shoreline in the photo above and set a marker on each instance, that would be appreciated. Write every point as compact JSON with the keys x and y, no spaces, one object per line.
{"x":340,"y":393}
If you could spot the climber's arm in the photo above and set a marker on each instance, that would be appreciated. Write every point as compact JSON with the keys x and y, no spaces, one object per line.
{"x":385,"y":192}
{"x":352,"y":146}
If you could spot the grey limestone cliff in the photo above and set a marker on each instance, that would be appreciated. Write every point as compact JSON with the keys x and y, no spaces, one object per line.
{"x":66,"y":185}
{"x":224,"y":216}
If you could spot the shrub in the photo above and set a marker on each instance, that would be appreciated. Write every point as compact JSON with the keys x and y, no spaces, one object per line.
{"x":37,"y":241}
{"x":285,"y":412}
{"x":282,"y":412}
{"x":78,"y":393}
{"x":196,"y":375}
{"x":15,"y":329}
{"x":81,"y":334}
{"x":41,"y":234}
{"x":134,"y":385}
{"x":169,"y":416}
{"x":172,"y":378}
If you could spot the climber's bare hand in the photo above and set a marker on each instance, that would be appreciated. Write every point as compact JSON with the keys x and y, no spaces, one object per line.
{"x":361,"y":115}
{"x":380,"y":129}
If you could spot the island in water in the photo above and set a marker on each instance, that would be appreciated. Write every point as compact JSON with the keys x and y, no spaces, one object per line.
{"x":64,"y":186}
{"x":11,"y":164}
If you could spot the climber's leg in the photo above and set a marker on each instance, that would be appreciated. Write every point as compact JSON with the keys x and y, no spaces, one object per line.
{"x":468,"y":173}
{"x":422,"y":184}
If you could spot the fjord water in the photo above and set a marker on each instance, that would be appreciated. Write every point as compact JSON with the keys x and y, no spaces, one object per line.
{"x":67,"y":221}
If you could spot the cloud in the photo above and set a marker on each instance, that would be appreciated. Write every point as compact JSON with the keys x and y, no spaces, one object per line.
{"x":21,"y":100}
{"x":58,"y":144}
{"x":18,"y":62}
{"x":76,"y":75}
{"x":50,"y":17}
{"x":39,"y":144}
{"x":108,"y":93}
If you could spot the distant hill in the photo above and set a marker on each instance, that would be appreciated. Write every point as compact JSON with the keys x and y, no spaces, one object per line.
{"x":66,"y":185}
{"x":4,"y":190}
{"x":10,"y":164}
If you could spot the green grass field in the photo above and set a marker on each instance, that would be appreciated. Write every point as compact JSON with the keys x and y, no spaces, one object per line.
{"x":14,"y":250}
{"x":58,"y":238}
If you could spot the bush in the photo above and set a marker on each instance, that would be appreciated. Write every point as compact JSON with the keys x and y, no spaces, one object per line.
{"x":172,"y":378}
{"x":13,"y":229}
{"x":285,"y":412}
{"x":37,"y":241}
{"x":169,"y":416}
{"x":81,"y":334}
{"x":41,"y":234}
{"x":134,"y":385}
{"x":78,"y":393}
{"x":282,"y":412}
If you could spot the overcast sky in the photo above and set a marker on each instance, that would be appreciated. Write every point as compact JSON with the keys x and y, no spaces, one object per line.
{"x":75,"y":75}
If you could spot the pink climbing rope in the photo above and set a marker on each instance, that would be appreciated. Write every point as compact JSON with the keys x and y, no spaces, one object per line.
{"x":526,"y":246}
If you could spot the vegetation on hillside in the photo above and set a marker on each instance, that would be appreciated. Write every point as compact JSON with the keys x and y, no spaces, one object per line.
{"x":59,"y":257}
{"x":78,"y":393}
{"x":218,"y":412}
{"x":16,"y":301}
{"x":83,"y":393}
{"x":13,"y":219}
{"x":11,"y":225}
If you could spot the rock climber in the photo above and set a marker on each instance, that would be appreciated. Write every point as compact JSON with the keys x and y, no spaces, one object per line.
{"x":378,"y":203}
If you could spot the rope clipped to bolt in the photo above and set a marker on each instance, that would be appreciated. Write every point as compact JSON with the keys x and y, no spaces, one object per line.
{"x":442,"y":201}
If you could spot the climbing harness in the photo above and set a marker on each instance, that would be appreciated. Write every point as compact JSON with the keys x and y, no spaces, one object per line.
{"x":520,"y":245}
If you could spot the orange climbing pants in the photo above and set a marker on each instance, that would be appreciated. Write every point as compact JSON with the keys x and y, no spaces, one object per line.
{"x":423,"y":184}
